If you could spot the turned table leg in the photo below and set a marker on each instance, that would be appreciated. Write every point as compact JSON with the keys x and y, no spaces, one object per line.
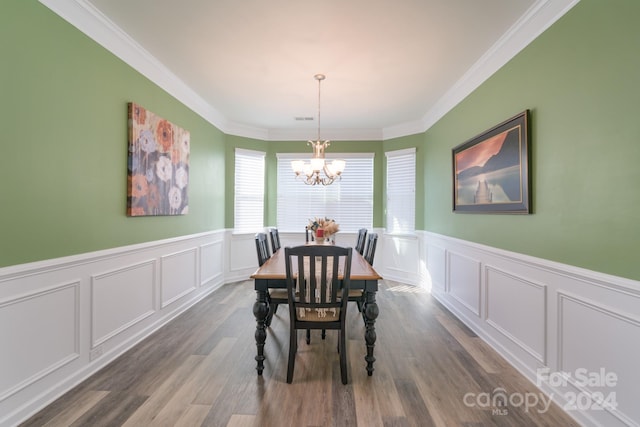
{"x":260,"y":311}
{"x":370,"y":313}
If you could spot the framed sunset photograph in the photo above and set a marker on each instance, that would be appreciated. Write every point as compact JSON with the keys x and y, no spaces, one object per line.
{"x":491,"y":170}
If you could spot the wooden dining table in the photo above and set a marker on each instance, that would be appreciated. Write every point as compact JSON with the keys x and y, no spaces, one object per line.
{"x":272,"y":275}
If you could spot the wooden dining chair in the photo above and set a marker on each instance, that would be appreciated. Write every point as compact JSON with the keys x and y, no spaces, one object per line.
{"x":308,"y":235}
{"x":362,"y":235}
{"x":317,"y":294}
{"x":262,"y":248}
{"x":370,"y":251}
{"x":357,"y":295}
{"x":275,"y":297}
{"x":275,"y":239}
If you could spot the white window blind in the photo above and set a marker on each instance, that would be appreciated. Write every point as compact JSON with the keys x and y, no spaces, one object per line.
{"x":249,"y":191}
{"x":401,"y":190}
{"x":348,"y":201}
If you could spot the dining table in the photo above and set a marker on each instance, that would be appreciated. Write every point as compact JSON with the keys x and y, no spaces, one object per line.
{"x":272,"y":275}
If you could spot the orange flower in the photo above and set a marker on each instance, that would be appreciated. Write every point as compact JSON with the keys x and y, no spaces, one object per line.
{"x":139,"y":114}
{"x":139,"y":187}
{"x":164,"y":135}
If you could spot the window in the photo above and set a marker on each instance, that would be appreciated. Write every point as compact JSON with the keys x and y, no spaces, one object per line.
{"x":249,"y":191}
{"x":348,"y":201}
{"x":401,"y":190}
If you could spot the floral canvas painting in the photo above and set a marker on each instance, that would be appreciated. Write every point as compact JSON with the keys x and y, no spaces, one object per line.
{"x":158,"y":167}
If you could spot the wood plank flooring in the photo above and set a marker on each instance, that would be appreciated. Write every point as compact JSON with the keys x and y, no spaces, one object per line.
{"x":199,"y":370}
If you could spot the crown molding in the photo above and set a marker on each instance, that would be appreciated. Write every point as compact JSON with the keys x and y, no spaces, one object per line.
{"x":540,"y":16}
{"x":86,"y":18}
{"x":246,"y":131}
{"x":93,"y":23}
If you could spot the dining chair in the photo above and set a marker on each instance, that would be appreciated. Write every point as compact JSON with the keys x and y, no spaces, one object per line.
{"x":317,"y":293}
{"x":275,"y":239}
{"x":275,"y":297}
{"x":357,"y":295}
{"x":308,"y":235}
{"x":262,"y":248}
{"x":370,"y":252}
{"x":362,"y":235}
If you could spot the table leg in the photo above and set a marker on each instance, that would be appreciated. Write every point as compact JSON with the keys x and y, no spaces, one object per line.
{"x":370,"y":313}
{"x":260,"y":311}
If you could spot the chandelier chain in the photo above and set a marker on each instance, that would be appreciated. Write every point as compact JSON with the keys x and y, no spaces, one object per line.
{"x":320,"y":78}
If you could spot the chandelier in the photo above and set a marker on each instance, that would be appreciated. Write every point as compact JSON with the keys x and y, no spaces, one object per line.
{"x":309,"y":173}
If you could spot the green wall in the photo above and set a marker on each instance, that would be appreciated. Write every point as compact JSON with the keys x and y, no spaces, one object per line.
{"x":581,"y":81}
{"x":64,"y":144}
{"x":64,"y":150}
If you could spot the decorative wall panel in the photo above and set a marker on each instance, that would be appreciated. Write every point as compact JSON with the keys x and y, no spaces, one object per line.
{"x":464,"y":281}
{"x":601,"y":343}
{"x":516,"y":308}
{"x":211,"y":262}
{"x":121,"y":298}
{"x":178,"y":275}
{"x":39,"y":333}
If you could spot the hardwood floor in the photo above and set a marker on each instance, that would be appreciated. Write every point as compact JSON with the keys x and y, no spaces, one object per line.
{"x":199,"y":370}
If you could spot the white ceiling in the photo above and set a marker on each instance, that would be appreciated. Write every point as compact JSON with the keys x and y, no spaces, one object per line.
{"x":393,"y":67}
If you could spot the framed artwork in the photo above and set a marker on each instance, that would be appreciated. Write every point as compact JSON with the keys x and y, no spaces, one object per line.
{"x":158,"y":165}
{"x":491,"y":170}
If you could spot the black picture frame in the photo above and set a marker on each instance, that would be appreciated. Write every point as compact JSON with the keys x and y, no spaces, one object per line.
{"x":491,"y":170}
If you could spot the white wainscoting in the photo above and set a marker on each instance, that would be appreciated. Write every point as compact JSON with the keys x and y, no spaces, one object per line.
{"x":545,"y":318}
{"x":243,"y":259}
{"x":67,"y":318}
{"x":121,"y":298}
{"x":398,"y":257}
{"x":62,"y":320}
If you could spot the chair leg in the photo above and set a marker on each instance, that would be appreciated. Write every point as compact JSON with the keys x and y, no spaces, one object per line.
{"x":343,"y":356}
{"x":324,"y":334}
{"x":308,"y":336}
{"x":293,"y":348}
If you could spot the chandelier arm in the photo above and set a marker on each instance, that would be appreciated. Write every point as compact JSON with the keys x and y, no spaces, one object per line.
{"x":327,"y":172}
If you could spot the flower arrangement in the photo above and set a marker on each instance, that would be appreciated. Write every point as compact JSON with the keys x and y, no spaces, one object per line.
{"x":328,"y":226}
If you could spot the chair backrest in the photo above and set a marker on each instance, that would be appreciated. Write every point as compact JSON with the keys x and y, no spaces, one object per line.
{"x":370,"y":252}
{"x":275,"y":239}
{"x":262,"y":248}
{"x":362,"y":235}
{"x":318,"y":277}
{"x":308,"y":235}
